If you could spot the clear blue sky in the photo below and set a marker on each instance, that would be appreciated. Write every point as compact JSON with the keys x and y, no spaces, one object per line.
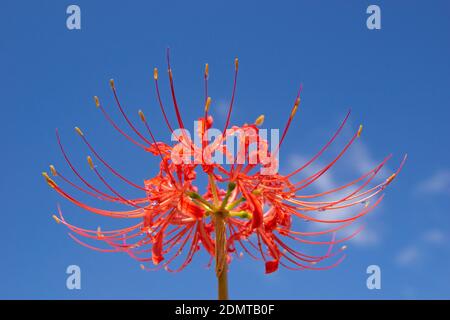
{"x":396,"y":80}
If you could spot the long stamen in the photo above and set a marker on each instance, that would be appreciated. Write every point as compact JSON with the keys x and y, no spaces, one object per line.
{"x":318,"y":174}
{"x":206,"y":77}
{"x":97,"y":195}
{"x":91,"y":165}
{"x":230,"y":108}
{"x":172,"y":90}
{"x":113,"y":87}
{"x":203,"y":132}
{"x":81,"y":134}
{"x":144,"y":120}
{"x":111,"y":121}
{"x":74,"y":170}
{"x":291,"y":116}
{"x":325,"y":147}
{"x":161,"y":106}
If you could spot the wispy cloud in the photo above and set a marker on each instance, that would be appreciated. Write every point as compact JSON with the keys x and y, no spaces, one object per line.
{"x":414,"y":253}
{"x":408,"y":256}
{"x":357,"y":161}
{"x":435,"y":237}
{"x":361,"y":159}
{"x":438,"y":183}
{"x":369,"y":237}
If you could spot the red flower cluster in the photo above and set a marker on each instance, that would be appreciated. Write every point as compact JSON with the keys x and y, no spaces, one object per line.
{"x":258,"y":211}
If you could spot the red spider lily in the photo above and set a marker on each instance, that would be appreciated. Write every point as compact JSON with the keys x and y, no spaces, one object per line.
{"x":242,"y":211}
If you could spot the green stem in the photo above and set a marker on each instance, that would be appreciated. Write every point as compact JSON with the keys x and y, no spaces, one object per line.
{"x":221,"y":256}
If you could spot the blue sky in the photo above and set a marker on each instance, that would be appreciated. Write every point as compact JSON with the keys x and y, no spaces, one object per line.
{"x":395,"y":80}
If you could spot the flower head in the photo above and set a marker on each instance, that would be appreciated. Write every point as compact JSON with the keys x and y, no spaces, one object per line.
{"x":242,"y":211}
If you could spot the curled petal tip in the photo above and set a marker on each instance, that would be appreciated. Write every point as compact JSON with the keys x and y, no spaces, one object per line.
{"x":271,"y":266}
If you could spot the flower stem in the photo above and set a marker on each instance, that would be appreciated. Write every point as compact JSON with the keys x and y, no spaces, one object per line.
{"x":221,"y":256}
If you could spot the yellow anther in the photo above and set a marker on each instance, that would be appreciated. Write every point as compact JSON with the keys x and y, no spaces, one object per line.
{"x":142,"y":266}
{"x":45,"y":175}
{"x":207,"y":104}
{"x":49,"y":180}
{"x":53,"y":170}
{"x":236,"y":64}
{"x":56,"y":219}
{"x":141,"y":114}
{"x":343,"y":247}
{"x":391,"y":177}
{"x":97,"y":102}
{"x":89,"y":160}
{"x":360,"y":130}
{"x":294,"y":109}
{"x":260,"y":120}
{"x":78,"y":130}
{"x":170,"y":73}
{"x":111,"y":83}
{"x":206,"y":70}
{"x":155,"y":73}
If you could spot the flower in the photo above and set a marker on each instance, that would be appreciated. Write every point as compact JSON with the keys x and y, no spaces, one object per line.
{"x":242,"y":211}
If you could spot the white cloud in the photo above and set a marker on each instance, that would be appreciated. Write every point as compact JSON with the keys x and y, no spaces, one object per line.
{"x":408,"y":256}
{"x":435,"y":237}
{"x":361,"y":159}
{"x":368,"y":237}
{"x":416,"y":252}
{"x":438,"y":183}
{"x":358,"y":162}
